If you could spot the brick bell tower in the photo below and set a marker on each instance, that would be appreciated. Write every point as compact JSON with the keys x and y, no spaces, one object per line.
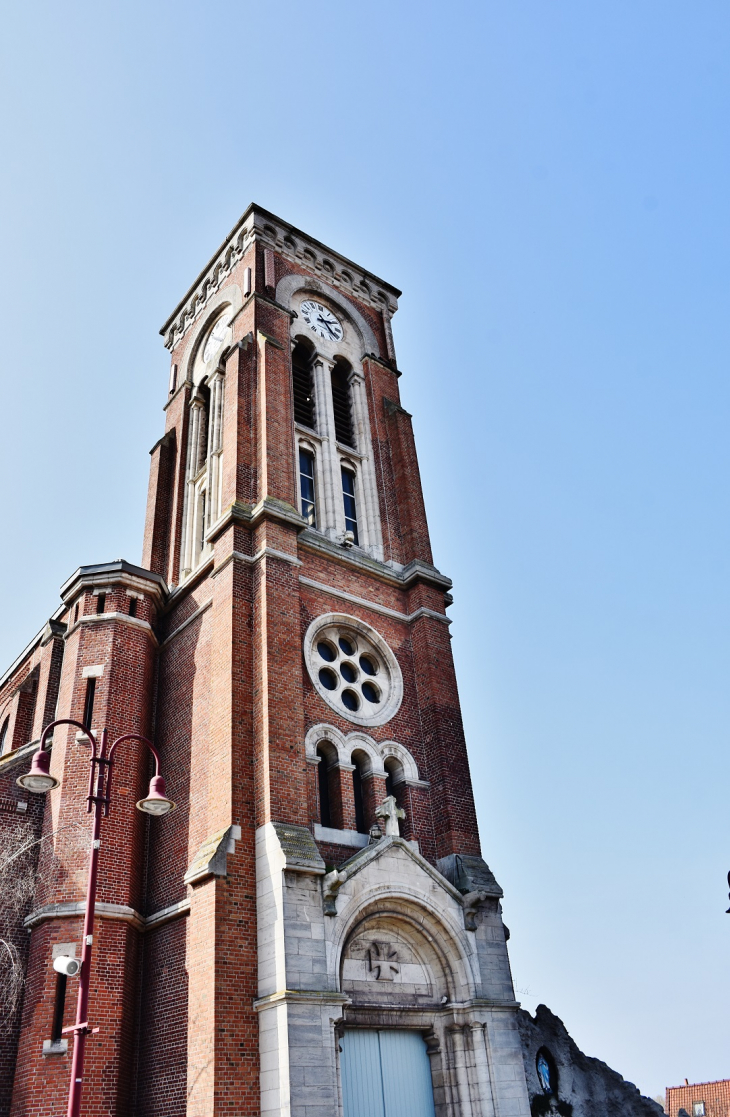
{"x":313,"y":932}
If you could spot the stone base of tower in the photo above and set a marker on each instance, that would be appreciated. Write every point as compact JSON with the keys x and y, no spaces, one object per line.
{"x":385,"y":943}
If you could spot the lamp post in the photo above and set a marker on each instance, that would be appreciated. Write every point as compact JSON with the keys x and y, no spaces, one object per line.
{"x":39,"y":780}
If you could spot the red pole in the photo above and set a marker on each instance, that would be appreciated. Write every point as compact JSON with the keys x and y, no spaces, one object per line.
{"x":81,"y":1027}
{"x":100,"y":765}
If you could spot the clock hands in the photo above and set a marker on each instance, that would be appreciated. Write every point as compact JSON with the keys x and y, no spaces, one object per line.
{"x":326,"y":323}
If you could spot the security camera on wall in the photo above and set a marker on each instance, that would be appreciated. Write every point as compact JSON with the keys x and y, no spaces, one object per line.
{"x":65,"y":965}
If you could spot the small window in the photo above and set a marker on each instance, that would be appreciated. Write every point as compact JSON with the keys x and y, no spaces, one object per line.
{"x":341,"y":404}
{"x":101,"y":603}
{"x":133,"y":606}
{"x":76,"y":612}
{"x":301,"y":376}
{"x":348,"y":498}
{"x":698,"y":1109}
{"x":89,"y":702}
{"x":306,"y":487}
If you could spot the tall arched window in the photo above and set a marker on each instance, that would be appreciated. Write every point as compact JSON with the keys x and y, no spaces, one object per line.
{"x":328,"y":786}
{"x":358,"y":791}
{"x":307,"y":490}
{"x":203,"y":472}
{"x":325,"y":807}
{"x":349,"y":502}
{"x":3,"y":734}
{"x":342,"y":403}
{"x":394,"y":784}
{"x":302,"y":384}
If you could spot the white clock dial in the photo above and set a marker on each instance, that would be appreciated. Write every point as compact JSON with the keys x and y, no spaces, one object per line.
{"x":321,"y":320}
{"x":216,"y":339}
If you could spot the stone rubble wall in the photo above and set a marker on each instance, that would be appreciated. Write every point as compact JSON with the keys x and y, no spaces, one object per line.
{"x":586,"y":1084}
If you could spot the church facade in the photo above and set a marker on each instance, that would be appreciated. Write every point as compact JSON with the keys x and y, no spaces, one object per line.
{"x":313,"y":931}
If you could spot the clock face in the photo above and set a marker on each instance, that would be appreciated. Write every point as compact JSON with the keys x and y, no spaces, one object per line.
{"x":321,"y":320}
{"x":216,"y":339}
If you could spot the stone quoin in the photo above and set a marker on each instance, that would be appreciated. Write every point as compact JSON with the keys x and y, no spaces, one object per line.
{"x":313,"y":932}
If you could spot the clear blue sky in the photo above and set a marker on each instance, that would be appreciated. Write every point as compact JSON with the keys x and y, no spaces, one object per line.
{"x":548,"y":183}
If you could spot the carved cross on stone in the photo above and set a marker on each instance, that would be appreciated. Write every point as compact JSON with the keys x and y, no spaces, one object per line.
{"x":383,"y":961}
{"x":391,"y":812}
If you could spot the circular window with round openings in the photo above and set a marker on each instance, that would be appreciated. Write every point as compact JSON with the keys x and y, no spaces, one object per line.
{"x":353,"y":669}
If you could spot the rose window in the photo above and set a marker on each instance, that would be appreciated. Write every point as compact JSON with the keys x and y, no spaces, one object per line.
{"x":353,"y":669}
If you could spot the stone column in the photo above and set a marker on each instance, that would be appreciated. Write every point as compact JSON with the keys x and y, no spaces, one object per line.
{"x":388,"y":332}
{"x":215,"y":445}
{"x":195,"y":429}
{"x":369,"y":514}
{"x":481,"y":1065}
{"x":331,"y":517}
{"x":462,"y":1076}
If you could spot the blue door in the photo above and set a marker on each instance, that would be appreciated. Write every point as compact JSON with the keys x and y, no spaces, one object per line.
{"x":385,"y":1073}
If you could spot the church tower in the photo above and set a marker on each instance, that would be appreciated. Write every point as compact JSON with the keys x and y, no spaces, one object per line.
{"x":313,"y":932}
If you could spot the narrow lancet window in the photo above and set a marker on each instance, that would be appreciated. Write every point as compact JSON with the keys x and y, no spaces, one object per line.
{"x":303,"y":389}
{"x":348,"y":499}
{"x":341,"y":404}
{"x":306,"y":487}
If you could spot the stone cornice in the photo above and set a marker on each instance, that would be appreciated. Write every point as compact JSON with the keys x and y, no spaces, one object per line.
{"x":188,"y":620}
{"x":415,"y":571}
{"x":376,"y":607}
{"x":115,"y":573}
{"x":39,"y":638}
{"x":358,"y":861}
{"x":259,"y":225}
{"x":302,"y":996}
{"x":120,"y":913}
{"x":123,"y":618}
{"x":383,"y":363}
{"x":270,"y":508}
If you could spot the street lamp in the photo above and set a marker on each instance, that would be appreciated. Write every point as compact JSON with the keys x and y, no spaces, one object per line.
{"x":156,"y":802}
{"x":39,"y":778}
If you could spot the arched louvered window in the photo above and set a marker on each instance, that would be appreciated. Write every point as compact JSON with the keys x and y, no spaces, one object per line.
{"x":358,"y":793}
{"x":394,"y":784}
{"x":342,"y":404}
{"x":302,"y":384}
{"x":323,"y":779}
